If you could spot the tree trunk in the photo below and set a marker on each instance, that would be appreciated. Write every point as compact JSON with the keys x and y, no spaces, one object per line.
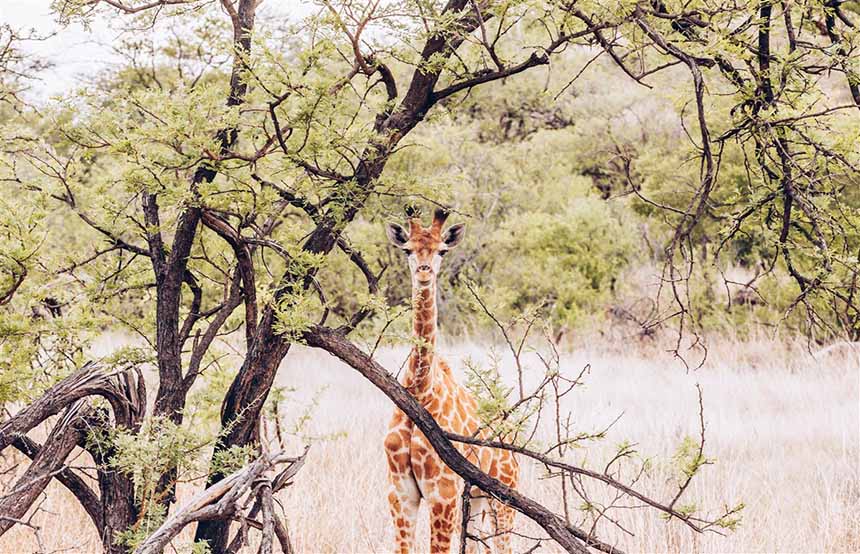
{"x":246,"y":397}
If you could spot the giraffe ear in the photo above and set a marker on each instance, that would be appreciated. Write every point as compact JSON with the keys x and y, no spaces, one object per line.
{"x":453,"y":235}
{"x":396,"y":235}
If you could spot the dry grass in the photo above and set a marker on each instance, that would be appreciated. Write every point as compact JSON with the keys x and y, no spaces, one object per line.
{"x":782,"y":427}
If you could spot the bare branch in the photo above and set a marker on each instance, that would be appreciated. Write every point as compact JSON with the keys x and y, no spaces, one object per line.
{"x":88,"y":381}
{"x":569,"y":537}
{"x":217,"y":502}
{"x":47,"y":463}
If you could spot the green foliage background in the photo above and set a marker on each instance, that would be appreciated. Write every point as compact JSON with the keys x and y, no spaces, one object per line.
{"x":558,"y":183}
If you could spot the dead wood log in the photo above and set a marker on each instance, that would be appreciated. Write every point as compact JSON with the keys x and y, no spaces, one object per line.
{"x":282,"y":480}
{"x":113,"y":511}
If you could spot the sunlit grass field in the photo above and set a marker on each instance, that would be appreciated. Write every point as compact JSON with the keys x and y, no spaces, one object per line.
{"x":781,"y":428}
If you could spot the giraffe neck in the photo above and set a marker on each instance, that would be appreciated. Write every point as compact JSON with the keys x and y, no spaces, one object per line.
{"x":424,"y":329}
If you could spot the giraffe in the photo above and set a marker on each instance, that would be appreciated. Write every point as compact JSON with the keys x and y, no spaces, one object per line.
{"x":415,"y":471}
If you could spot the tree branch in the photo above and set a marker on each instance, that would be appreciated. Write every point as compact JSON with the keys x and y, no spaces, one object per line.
{"x":47,"y":463}
{"x":85,"y":496}
{"x":568,"y":536}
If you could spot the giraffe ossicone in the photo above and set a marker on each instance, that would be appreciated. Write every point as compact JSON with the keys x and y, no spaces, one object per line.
{"x":415,"y":471}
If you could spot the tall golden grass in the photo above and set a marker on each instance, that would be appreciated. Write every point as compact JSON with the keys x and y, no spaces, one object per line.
{"x":781,"y":426}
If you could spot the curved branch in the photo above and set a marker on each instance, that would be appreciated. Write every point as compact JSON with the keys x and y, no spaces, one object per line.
{"x":47,"y":463}
{"x":85,"y":496}
{"x":142,"y":7}
{"x":18,"y":279}
{"x":90,"y":380}
{"x":245,"y":267}
{"x":533,"y":60}
{"x":571,"y":538}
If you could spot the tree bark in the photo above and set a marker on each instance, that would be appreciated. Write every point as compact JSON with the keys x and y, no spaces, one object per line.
{"x":47,"y":463}
{"x":170,"y":272}
{"x":87,"y":381}
{"x":76,"y":485}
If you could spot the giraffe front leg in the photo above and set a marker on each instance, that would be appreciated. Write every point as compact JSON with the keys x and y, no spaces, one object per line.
{"x":444,"y":506}
{"x":504,"y":524}
{"x":403,"y":502}
{"x":404,"y":496}
{"x":444,"y":524}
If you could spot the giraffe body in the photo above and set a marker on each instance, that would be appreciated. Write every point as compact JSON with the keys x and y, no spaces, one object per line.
{"x":415,"y":471}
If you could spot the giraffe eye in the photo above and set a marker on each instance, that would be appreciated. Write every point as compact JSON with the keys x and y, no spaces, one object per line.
{"x":407,"y":252}
{"x":442,"y":252}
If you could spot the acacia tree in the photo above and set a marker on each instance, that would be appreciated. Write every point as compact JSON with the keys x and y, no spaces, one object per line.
{"x":219,"y":180}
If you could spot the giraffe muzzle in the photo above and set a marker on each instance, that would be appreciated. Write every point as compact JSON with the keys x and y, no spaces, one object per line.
{"x":424,"y":275}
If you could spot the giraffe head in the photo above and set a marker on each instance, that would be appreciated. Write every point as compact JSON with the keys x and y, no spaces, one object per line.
{"x":425,"y":246}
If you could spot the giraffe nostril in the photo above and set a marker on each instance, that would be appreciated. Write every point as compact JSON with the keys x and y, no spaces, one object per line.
{"x":423,"y":268}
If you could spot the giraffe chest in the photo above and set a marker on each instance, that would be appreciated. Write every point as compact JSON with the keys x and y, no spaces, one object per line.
{"x":410,"y":454}
{"x":411,"y":457}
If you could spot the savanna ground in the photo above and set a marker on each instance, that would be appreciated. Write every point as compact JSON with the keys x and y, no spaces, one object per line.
{"x":781,"y":427}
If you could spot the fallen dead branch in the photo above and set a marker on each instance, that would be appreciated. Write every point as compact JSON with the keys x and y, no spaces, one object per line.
{"x":90,"y":380}
{"x":223,"y":501}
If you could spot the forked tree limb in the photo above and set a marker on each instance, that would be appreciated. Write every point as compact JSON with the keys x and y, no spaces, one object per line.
{"x":568,"y":536}
{"x":279,"y":482}
{"x":47,"y":463}
{"x":114,"y":511}
{"x":87,"y":498}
